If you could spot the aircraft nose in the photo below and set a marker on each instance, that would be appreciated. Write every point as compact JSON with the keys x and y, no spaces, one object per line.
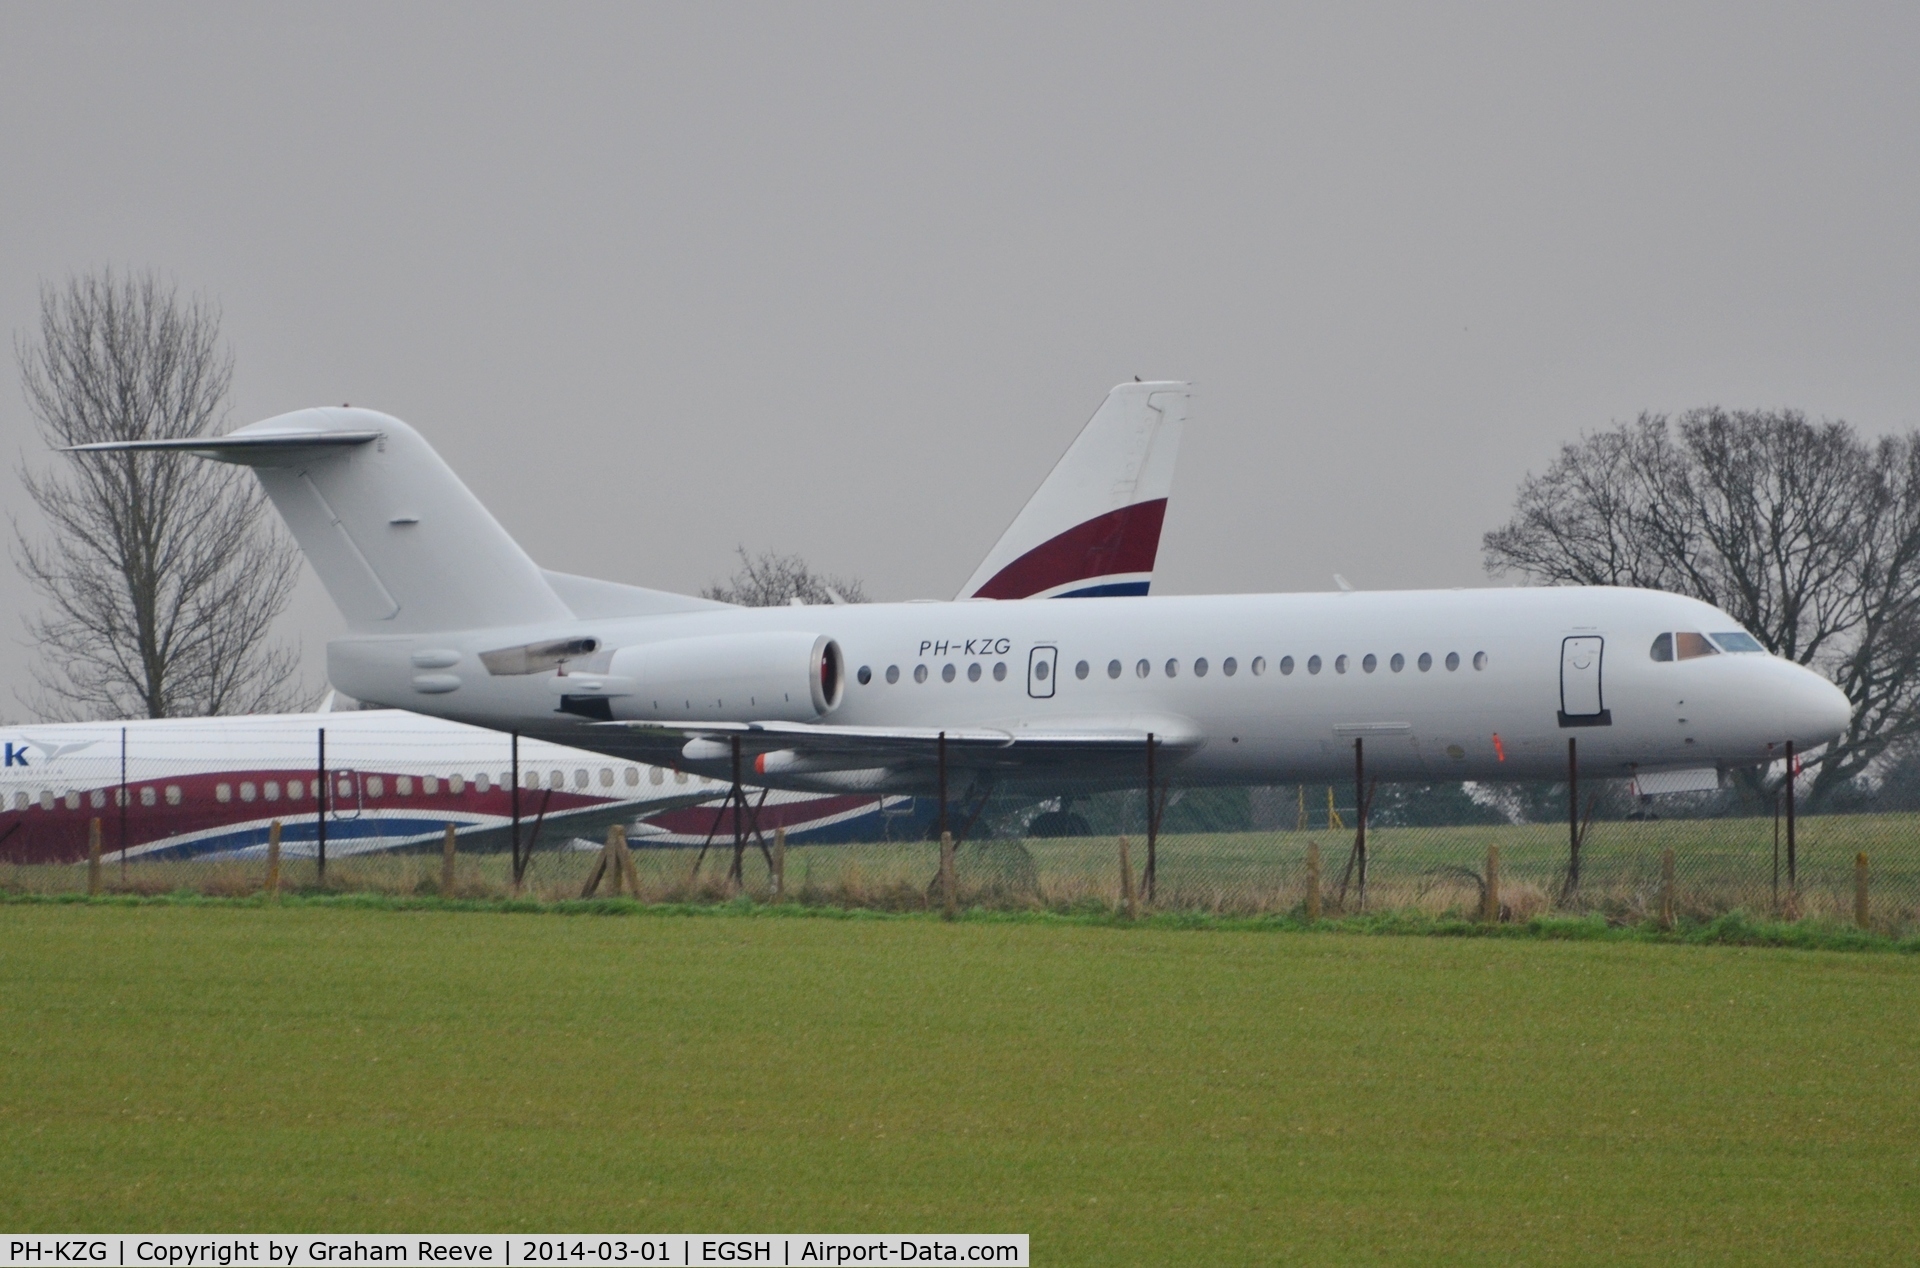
{"x":1817,"y":712}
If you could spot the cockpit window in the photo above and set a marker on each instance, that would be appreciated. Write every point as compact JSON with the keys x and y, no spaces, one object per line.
{"x":1662,"y":648}
{"x":1687,"y":645}
{"x":1738,"y":641}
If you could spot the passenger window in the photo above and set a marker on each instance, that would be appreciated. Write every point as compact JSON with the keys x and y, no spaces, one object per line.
{"x":173,"y":794}
{"x":1313,"y":664}
{"x":579,"y":779}
{"x":1113,"y":669}
{"x":973,"y":672}
{"x":1173,"y":668}
{"x":1398,"y":663}
{"x":656,"y":776}
{"x":1453,"y":661}
{"x":1286,"y":666}
{"x":223,"y":793}
{"x":1662,"y":648}
{"x":893,"y":674}
{"x":1259,"y":665}
{"x":295,"y":791}
{"x":947,"y":672}
{"x":375,"y":786}
{"x":73,"y":801}
{"x":1425,"y":662}
{"x":865,"y":675}
{"x":1369,"y":662}
{"x":457,"y":783}
{"x":1340,"y":663}
{"x":1142,"y":669}
{"x":97,"y":798}
{"x":919,"y":673}
{"x":1228,"y":666}
{"x":20,"y":799}
{"x":1688,"y":646}
{"x":271,"y":790}
{"x":632,"y":776}
{"x":403,"y":785}
{"x":1479,"y":660}
{"x":1200,"y":668}
{"x":1000,"y":671}
{"x":680,"y":776}
{"x":247,"y":791}
{"x":1082,"y":669}
{"x":429,"y":784}
{"x":606,"y":777}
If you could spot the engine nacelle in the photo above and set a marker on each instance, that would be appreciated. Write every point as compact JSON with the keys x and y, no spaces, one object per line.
{"x":772,"y":677}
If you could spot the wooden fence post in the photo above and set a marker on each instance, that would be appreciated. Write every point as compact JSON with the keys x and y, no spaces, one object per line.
{"x":1666,"y":888}
{"x":273,"y":859}
{"x":1313,"y":880}
{"x":1860,"y":890}
{"x":1490,"y":896}
{"x":447,"y":848}
{"x":779,"y":865}
{"x":949,"y":895}
{"x":1127,"y":903}
{"x":93,"y":859}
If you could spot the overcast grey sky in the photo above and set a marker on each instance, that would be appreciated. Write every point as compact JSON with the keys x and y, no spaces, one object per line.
{"x":846,"y":280}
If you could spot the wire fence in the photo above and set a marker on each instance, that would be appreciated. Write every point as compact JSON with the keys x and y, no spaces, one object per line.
{"x":144,"y":813}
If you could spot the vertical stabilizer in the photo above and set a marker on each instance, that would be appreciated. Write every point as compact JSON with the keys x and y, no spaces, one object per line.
{"x":1093,"y":528}
{"x":401,"y":544}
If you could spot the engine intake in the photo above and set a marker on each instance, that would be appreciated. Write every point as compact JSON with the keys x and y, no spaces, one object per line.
{"x":772,"y":677}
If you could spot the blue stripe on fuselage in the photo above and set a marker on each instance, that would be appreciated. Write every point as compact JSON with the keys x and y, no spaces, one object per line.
{"x":1111,"y":588}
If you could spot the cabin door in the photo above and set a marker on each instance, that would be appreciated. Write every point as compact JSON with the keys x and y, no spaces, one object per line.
{"x":1581,"y":700}
{"x":1040,"y":667}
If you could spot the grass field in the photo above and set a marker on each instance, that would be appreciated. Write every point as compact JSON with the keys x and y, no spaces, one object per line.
{"x":1124,"y":1095}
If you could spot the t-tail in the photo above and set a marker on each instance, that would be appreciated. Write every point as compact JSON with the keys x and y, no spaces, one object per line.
{"x":401,"y":544}
{"x":1093,"y":528}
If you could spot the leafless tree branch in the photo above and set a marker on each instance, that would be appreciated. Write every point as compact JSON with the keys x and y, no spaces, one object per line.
{"x":159,"y":572}
{"x":770,"y":579}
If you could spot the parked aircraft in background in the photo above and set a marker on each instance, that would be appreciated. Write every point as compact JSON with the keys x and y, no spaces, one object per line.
{"x":209,"y":787}
{"x":446,"y":614}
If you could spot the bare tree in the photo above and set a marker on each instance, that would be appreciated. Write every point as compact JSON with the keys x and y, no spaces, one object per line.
{"x":159,"y":574}
{"x":1806,"y":534}
{"x":770,"y":579}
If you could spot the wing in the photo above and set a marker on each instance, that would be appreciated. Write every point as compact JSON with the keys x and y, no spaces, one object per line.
{"x":809,"y":756}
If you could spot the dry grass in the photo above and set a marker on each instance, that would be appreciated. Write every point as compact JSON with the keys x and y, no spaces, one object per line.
{"x":1725,"y":866}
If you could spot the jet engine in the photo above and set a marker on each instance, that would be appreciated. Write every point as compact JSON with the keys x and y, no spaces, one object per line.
{"x":770,"y":677}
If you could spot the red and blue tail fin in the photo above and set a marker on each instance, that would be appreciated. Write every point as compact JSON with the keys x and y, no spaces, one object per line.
{"x":1093,"y":528}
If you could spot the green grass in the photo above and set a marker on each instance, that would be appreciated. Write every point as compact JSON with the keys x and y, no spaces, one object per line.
{"x":1124,"y":1095}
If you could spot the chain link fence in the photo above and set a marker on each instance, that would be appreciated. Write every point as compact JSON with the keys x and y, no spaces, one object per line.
{"x":153,"y":811}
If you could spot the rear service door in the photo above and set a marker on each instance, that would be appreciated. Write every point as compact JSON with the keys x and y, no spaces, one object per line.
{"x":1040,"y":667}
{"x":1581,"y":700}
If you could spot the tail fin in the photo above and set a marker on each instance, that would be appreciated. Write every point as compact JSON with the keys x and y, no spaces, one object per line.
{"x":1093,"y":528}
{"x":400,"y":543}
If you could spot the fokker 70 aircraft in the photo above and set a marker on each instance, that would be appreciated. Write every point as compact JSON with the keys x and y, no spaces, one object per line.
{"x":210,"y":787}
{"x":447,"y":615}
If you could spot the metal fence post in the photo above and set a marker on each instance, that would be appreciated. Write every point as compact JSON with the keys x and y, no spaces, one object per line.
{"x":320,"y":811}
{"x":1126,"y":882}
{"x":1573,"y":819}
{"x":93,"y":859}
{"x":125,"y":797}
{"x":1149,"y":878}
{"x":1360,"y":819}
{"x":1793,"y":862}
{"x":941,"y":827}
{"x":519,"y":869}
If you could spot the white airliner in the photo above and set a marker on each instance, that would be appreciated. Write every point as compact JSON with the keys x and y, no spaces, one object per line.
{"x":447,"y":615}
{"x":210,"y":787}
